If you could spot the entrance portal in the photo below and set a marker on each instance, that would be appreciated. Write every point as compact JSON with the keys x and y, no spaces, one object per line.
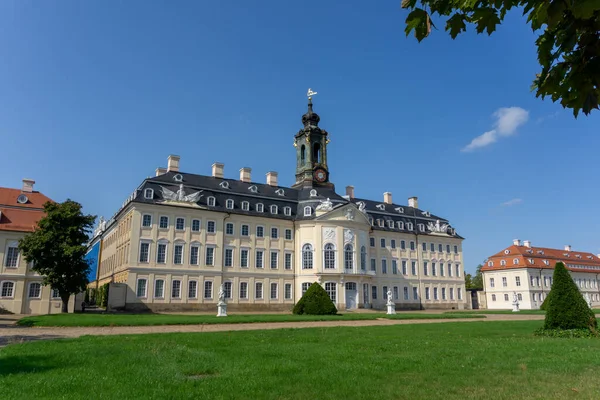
{"x":351,"y":294}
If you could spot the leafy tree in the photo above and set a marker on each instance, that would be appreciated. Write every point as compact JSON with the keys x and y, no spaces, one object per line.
{"x":474,"y":282}
{"x":57,"y":248}
{"x":315,"y":301}
{"x":468,"y":281}
{"x":568,"y":46}
{"x":566,"y":308}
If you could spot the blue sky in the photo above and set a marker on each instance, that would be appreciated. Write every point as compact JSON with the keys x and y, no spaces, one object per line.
{"x":94,"y":98}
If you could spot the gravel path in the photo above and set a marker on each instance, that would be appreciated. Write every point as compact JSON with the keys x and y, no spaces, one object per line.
{"x":14,"y":334}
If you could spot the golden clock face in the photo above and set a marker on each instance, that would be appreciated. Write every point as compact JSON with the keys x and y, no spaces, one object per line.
{"x":320,"y":175}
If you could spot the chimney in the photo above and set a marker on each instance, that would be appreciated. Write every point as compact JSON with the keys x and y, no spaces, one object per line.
{"x":517,"y":242}
{"x":27,"y":185}
{"x":350,"y":191}
{"x":173,"y":163}
{"x":527,"y":243}
{"x":160,"y":171}
{"x":245,"y":174}
{"x":568,"y":247}
{"x":413,"y":202}
{"x":217,"y":170}
{"x":387,"y":197}
{"x":272,"y":178}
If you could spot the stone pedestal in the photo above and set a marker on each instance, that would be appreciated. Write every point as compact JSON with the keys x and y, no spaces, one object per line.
{"x":222,"y":309}
{"x":516,"y":307}
{"x":391,"y":309}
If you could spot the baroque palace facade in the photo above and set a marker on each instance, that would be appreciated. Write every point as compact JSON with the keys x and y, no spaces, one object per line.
{"x":179,"y":236}
{"x":525,"y":271}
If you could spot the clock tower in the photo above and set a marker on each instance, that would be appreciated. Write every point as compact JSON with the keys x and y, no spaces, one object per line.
{"x":311,"y":152}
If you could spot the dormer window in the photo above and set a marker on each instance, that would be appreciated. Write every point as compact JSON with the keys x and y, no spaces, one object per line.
{"x":229,"y":204}
{"x":590,"y":257}
{"x":516,"y":261}
{"x":224,"y":185}
{"x":307,"y":211}
{"x":287,"y":211}
{"x":178,"y":178}
{"x":273,"y":209}
{"x":211,"y":201}
{"x":381,"y":206}
{"x":400,"y":210}
{"x":540,"y":251}
{"x":506,"y":251}
{"x":245,"y":206}
{"x":531,"y":261}
{"x":148,"y":193}
{"x":409,"y":226}
{"x":313,"y":193}
{"x":381,"y":223}
{"x":280,"y":192}
{"x":503,"y":262}
{"x":421,"y":227}
{"x":578,"y":255}
{"x":546,"y":262}
{"x":260,"y":207}
{"x":400,"y":225}
{"x":426,"y":213}
{"x":490,"y":263}
{"x":22,"y":199}
{"x":391,"y":224}
{"x":253,"y":189}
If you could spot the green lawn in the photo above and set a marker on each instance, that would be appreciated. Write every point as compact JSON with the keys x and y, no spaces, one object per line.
{"x":189,"y":319}
{"x":534,"y":312}
{"x":478,"y":360}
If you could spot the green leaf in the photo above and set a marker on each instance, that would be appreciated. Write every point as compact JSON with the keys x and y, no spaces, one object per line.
{"x":585,"y":9}
{"x":486,"y":19}
{"x":556,"y":11}
{"x":418,"y":20}
{"x":456,"y":24}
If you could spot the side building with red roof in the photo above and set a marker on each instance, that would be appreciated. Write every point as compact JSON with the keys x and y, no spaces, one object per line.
{"x":21,"y":289}
{"x":525,"y":272}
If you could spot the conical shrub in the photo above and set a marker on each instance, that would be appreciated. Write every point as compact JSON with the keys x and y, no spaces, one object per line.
{"x":315,"y":301}
{"x":565,"y":306}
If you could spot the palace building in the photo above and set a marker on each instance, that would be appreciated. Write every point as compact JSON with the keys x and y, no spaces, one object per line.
{"x":526,"y":271}
{"x":21,"y":289}
{"x":179,"y":236}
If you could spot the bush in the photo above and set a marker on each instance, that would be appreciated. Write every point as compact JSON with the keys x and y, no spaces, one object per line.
{"x":566,"y":308}
{"x":315,"y":301}
{"x":544,"y":304}
{"x":566,"y":333}
{"x":102,"y":296}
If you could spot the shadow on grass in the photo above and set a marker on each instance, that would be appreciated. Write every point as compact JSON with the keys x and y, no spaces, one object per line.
{"x":14,"y":365}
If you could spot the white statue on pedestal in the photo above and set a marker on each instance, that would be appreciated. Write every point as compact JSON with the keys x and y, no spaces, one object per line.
{"x":221,"y":305}
{"x":515,"y":303}
{"x":391,"y":306}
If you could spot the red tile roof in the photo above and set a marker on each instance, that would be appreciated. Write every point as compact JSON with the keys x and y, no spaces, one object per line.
{"x":542,"y":258}
{"x":19,"y":217}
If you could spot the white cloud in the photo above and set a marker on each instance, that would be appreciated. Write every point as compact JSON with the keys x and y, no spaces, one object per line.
{"x":508,"y":119}
{"x":512,"y":202}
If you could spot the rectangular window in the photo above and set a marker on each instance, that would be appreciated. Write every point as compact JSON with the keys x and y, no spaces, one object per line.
{"x":288,"y":260}
{"x":208,"y":289}
{"x":288,"y":234}
{"x":384,"y":266}
{"x":425,"y":268}
{"x":402,"y":245}
{"x":194,"y":250}
{"x":159,"y":288}
{"x":457,"y":271}
{"x":229,"y":228}
{"x":384,"y":290}
{"x":492,"y":282}
{"x":287,"y":289}
{"x":274,"y":233}
{"x":305,"y":287}
{"x":245,"y":230}
{"x":424,"y":246}
{"x":331,"y":289}
{"x":274,"y":291}
{"x":259,"y":259}
{"x":405,"y":292}
{"x":141,"y":288}
{"x":504,"y":283}
{"x":518,"y":280}
{"x":179,"y":224}
{"x":260,"y":232}
{"x":161,"y":253}
{"x":433,"y":269}
{"x":415,"y":293}
{"x":374,"y":292}
{"x":243,"y":290}
{"x":55,"y":294}
{"x":443,"y":293}
{"x":427,"y":296}
{"x":459,"y":291}
{"x":431,"y":247}
{"x":192,"y":289}
{"x":147,"y":221}
{"x":210,"y":256}
{"x":144,"y":253}
{"x":373,"y":265}
{"x":176,"y":289}
{"x":393,"y":243}
{"x":412,"y":245}
{"x":435,"y":293}
{"x":228,"y":290}
{"x":383,"y":243}
{"x":229,"y":257}
{"x":404,"y":269}
{"x":455,"y":249}
{"x":440,"y":248}
{"x":372,"y":242}
{"x":413,"y":267}
{"x":35,"y":290}
{"x":244,"y":258}
{"x":449,"y":270}
{"x":442,"y":273}
{"x":274,"y":260}
{"x":163,"y":222}
{"x":195,"y":225}
{"x":210,"y":227}
{"x":395,"y":267}
{"x":447,"y":248}
{"x":451,"y":293}
{"x":178,"y":254}
{"x":396,"y":293}
{"x":259,"y":290}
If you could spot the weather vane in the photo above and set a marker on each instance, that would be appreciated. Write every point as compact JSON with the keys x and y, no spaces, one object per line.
{"x":310,"y":93}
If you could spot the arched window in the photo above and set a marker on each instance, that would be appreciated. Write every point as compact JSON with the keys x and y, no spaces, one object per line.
{"x":516,"y":261}
{"x":307,"y":256}
{"x":329,"y":256}
{"x":302,"y":154}
{"x":317,"y":152}
{"x":348,"y":256}
{"x":503,"y":262}
{"x":363,"y":258}
{"x":307,"y":211}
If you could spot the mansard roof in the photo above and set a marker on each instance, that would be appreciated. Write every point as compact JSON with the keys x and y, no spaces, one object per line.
{"x":254,"y":193}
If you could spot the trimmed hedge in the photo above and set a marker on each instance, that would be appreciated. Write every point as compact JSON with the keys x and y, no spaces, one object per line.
{"x":566,"y":308}
{"x":315,"y":301}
